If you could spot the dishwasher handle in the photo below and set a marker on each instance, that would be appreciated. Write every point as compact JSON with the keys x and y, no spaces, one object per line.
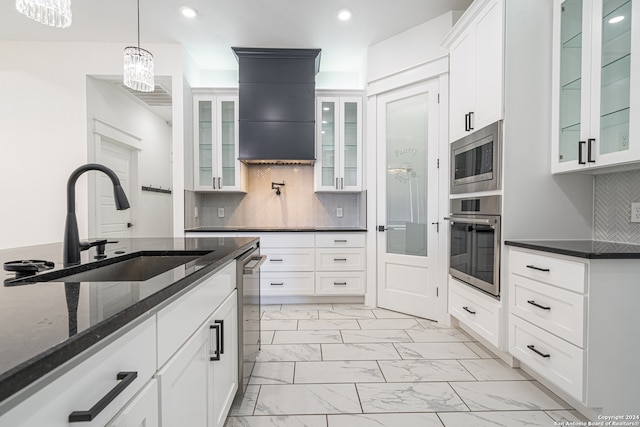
{"x":247,"y":269}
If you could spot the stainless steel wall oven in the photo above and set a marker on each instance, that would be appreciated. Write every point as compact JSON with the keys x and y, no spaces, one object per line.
{"x":474,"y":242}
{"x":476,"y":161}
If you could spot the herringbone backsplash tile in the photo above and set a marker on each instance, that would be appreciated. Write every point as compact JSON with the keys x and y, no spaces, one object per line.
{"x":614,"y":194}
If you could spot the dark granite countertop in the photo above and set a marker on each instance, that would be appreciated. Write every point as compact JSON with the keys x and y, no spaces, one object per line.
{"x":45,"y":324}
{"x":592,"y":249}
{"x":255,"y":229}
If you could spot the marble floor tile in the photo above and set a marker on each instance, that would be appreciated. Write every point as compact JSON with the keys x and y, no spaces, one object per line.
{"x":328,"y":324}
{"x":349,"y":306}
{"x":409,"y":397}
{"x":279,"y":325}
{"x":346,"y":313}
{"x":289,"y":353}
{"x":506,"y":396}
{"x":493,"y":370}
{"x":247,"y":404}
{"x":278,"y":421}
{"x":381,"y":313}
{"x":435,"y":350}
{"x":424,"y":370}
{"x":337,"y":372}
{"x":564,"y":416}
{"x":307,"y":337}
{"x":292,"y":315}
{"x":373,"y":336}
{"x":362,"y":351}
{"x":270,"y":307}
{"x":272,"y":373}
{"x":439,"y":335}
{"x":496,"y":419}
{"x":266,"y":337}
{"x":385,"y":420}
{"x":389,"y":324}
{"x":300,"y":399}
{"x":306,"y":307}
{"x":431,"y":324}
{"x":481,"y":350}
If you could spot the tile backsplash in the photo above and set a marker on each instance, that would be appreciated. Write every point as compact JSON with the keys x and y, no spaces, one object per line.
{"x":613,"y":196}
{"x":297,"y":205}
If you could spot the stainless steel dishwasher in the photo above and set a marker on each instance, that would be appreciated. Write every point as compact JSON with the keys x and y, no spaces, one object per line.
{"x":248,"y":286}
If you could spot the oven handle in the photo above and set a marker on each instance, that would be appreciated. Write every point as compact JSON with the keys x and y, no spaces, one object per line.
{"x":486,"y":221}
{"x":256,"y":266}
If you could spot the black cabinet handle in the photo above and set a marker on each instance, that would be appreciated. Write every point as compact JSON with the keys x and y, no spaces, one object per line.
{"x":337,"y":188}
{"x":340,"y":241}
{"x":340,"y":283}
{"x":219,"y":183}
{"x":277,"y":284}
{"x":216,"y":352}
{"x":580,"y":161}
{"x":470,"y":120}
{"x":276,"y":260}
{"x":590,"y":142}
{"x":125,"y":379}
{"x":533,"y":267}
{"x":468,"y":311}
{"x":342,"y":183}
{"x":221,"y":323}
{"x":538,"y":352}
{"x":466,"y":122}
{"x":214,"y":182}
{"x":532,"y":302}
{"x":339,"y":259}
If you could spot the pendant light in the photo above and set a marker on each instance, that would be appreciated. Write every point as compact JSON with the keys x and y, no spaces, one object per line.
{"x":138,"y":66}
{"x":56,"y":13}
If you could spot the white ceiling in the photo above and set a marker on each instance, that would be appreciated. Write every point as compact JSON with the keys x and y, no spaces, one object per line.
{"x":221,"y":24}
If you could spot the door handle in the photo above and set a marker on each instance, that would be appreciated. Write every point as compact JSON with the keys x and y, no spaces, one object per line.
{"x":216,"y":352}
{"x":125,"y":378}
{"x":382,"y":228}
{"x":437,"y":224}
{"x":129,"y":225}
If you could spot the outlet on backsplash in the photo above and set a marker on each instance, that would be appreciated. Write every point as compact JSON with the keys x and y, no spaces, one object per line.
{"x":635,"y":212}
{"x":339,"y":212}
{"x":220,"y":212}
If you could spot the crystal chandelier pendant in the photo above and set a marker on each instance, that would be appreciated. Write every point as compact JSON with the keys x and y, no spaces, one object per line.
{"x":56,"y":13}
{"x":138,"y":69}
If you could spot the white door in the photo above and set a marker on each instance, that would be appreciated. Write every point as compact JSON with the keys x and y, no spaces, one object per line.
{"x":111,"y":222}
{"x":407,"y":127}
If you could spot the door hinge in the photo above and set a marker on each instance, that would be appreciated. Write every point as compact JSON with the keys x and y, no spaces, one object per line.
{"x":437,"y":292}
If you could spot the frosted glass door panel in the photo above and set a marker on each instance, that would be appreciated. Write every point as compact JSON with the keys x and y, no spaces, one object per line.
{"x":570,"y":79}
{"x":328,"y":132}
{"x":205,"y":143}
{"x":407,"y":203}
{"x":615,"y":77}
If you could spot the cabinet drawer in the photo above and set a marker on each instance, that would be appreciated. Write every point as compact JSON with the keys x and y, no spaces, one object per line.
{"x":288,"y":260}
{"x":89,"y":381}
{"x":479,"y":312}
{"x":340,"y":283}
{"x":287,"y":240}
{"x":347,"y":259}
{"x":177,"y":321}
{"x":340,"y":240}
{"x":287,"y":283}
{"x":560,"y":362}
{"x":556,"y":310}
{"x":559,"y":272}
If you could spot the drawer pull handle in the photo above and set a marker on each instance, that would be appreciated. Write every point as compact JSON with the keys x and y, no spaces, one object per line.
{"x":538,"y":352}
{"x":125,"y":379}
{"x":532,"y":302}
{"x":216,"y":352}
{"x":276,"y":260}
{"x":277,"y":284}
{"x":221,"y":323}
{"x":467,"y":310}
{"x":533,"y":267}
{"x":339,"y":259}
{"x":340,"y":283}
{"x":340,"y":241}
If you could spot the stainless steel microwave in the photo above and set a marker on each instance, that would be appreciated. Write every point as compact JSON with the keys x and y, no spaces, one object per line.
{"x":475,"y":161}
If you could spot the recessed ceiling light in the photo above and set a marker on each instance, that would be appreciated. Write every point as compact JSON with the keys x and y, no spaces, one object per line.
{"x":188,"y":11}
{"x":616,"y":19}
{"x":344,"y":14}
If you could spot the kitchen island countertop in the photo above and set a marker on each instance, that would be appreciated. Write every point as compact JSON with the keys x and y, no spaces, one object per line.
{"x":591,"y":249}
{"x":45,"y":324}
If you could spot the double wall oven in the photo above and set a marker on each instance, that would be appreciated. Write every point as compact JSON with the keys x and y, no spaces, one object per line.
{"x":474,"y":215}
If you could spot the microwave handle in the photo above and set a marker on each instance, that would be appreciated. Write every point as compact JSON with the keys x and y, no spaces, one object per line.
{"x":472,"y":220}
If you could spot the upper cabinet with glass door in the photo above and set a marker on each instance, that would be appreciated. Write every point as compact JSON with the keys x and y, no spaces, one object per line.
{"x":216,"y":163}
{"x":339,"y":143}
{"x":596,"y":85}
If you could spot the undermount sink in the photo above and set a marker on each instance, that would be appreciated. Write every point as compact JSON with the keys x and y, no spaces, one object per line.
{"x":136,"y":267}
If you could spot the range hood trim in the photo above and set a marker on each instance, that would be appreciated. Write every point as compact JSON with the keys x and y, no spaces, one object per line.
{"x":276,"y":53}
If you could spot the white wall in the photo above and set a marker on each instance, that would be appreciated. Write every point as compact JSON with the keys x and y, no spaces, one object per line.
{"x":43,"y":132}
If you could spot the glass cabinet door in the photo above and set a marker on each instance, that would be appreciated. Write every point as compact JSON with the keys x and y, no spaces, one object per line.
{"x":228,"y":142}
{"x":204,"y":172}
{"x":615,"y":73}
{"x":351,"y":154}
{"x":571,"y":82}
{"x":328,"y":144}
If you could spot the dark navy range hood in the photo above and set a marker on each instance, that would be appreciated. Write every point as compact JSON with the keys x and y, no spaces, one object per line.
{"x":277,"y":104}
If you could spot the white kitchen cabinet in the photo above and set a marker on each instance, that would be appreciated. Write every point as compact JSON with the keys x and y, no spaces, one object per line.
{"x":476,"y":68}
{"x":339,"y":144}
{"x":88,"y":381}
{"x":216,"y":164}
{"x":571,"y":325}
{"x":141,"y":411}
{"x":596,"y":90}
{"x":340,"y":264}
